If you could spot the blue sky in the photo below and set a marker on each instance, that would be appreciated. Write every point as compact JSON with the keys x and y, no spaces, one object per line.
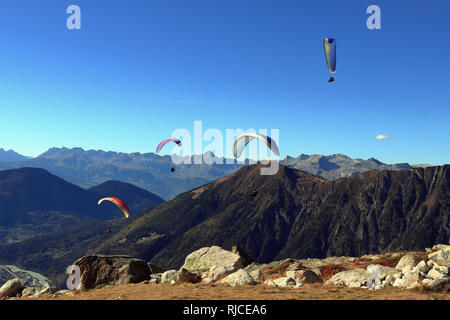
{"x":138,"y":70}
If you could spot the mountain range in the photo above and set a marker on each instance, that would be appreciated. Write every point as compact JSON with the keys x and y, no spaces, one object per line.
{"x":150,"y":171}
{"x":291,"y":214}
{"x":11,"y":156}
{"x":338,"y":166}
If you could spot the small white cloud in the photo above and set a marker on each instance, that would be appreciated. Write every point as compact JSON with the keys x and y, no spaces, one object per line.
{"x":382,"y":136}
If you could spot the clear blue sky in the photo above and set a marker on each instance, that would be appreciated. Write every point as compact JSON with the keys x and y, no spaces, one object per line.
{"x":137,"y":70}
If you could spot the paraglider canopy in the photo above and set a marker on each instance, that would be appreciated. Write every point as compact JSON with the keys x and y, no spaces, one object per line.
{"x":241,"y":142}
{"x":329,"y":45}
{"x":118,"y":203}
{"x":163,"y":143}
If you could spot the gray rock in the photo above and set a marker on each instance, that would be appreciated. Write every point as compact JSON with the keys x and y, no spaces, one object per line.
{"x":204,"y":258}
{"x":304,"y":276}
{"x":257,"y":275}
{"x":10,"y":288}
{"x":294,"y":266}
{"x":270,"y":283}
{"x":406,"y":263}
{"x":254,"y":266}
{"x":389,"y":279}
{"x":312,"y":263}
{"x":238,"y":278}
{"x":216,"y":272}
{"x":333,"y":260}
{"x":383,"y":270}
{"x":100,"y":270}
{"x":436,"y":285}
{"x":284,"y":282}
{"x":422,"y":266}
{"x":441,"y":257}
{"x":435,"y":274}
{"x":351,"y":278}
{"x":169,"y":275}
{"x":410,"y":280}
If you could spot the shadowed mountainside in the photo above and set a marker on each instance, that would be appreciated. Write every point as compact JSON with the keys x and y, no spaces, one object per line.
{"x":34,"y":202}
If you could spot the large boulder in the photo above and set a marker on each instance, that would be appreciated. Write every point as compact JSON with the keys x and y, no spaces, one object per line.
{"x":351,"y":278}
{"x":238,"y":278}
{"x":382,"y":271}
{"x":11,"y":288}
{"x":406,"y":263}
{"x":442,"y":256}
{"x":100,"y":270}
{"x":410,"y":280}
{"x":26,"y":277}
{"x":203,"y":259}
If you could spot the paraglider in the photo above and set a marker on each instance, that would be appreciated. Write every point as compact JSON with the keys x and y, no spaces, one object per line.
{"x":241,"y":142}
{"x":163,"y":143}
{"x":172,"y":169}
{"x":118,"y":203}
{"x":329,"y":45}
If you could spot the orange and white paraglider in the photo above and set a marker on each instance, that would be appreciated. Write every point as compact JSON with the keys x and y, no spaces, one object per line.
{"x":118,"y":203}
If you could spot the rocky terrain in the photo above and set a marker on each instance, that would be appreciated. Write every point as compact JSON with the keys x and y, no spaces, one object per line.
{"x":216,"y":268}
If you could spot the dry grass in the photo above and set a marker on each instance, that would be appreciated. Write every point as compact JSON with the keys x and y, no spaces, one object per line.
{"x":247,"y":292}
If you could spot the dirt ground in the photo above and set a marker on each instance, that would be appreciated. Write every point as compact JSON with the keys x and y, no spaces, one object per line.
{"x":187,"y":291}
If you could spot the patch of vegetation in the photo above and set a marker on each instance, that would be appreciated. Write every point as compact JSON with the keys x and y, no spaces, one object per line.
{"x":330,"y":270}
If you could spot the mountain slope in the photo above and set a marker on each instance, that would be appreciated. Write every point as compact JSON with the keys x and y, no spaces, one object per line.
{"x":34,"y":202}
{"x":137,"y":199}
{"x":295,"y":214}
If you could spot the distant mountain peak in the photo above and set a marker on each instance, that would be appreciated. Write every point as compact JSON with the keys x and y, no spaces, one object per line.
{"x":11,"y":156}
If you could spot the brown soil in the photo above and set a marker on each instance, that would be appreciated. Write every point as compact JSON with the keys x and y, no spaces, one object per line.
{"x":187,"y":291}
